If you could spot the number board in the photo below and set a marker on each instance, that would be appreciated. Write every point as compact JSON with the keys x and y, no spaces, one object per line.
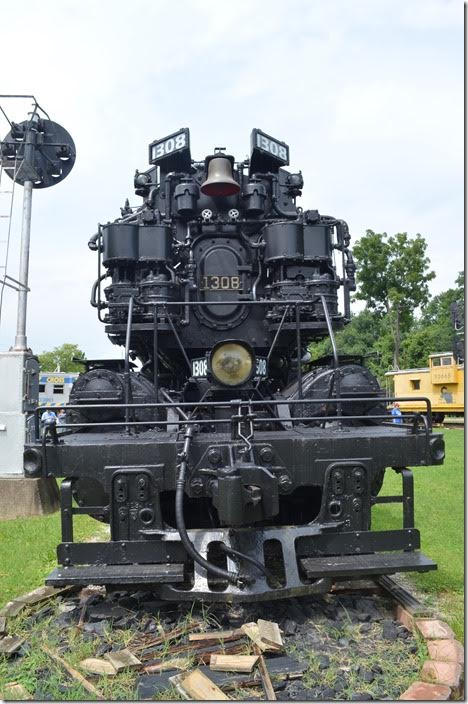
{"x":200,"y":368}
{"x":221,"y":283}
{"x":173,"y":151}
{"x":267,"y":152}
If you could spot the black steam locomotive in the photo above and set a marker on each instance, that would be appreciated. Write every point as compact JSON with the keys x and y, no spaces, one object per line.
{"x":227,"y":463}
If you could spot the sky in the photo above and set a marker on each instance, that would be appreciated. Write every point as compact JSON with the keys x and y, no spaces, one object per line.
{"x":368,"y":95}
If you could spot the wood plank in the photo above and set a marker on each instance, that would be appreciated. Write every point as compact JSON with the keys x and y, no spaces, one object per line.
{"x":199,"y":687}
{"x":266,"y":681}
{"x":204,"y":656}
{"x":121,"y":659}
{"x":233,"y":663}
{"x":175,"y":681}
{"x":171,"y":664}
{"x":270,"y":634}
{"x":97,"y":666}
{"x":73,"y":673}
{"x":10,"y":644}
{"x":252,"y":631}
{"x":15,"y":690}
{"x":142,"y":643}
{"x":217,"y":636}
{"x":41,"y":594}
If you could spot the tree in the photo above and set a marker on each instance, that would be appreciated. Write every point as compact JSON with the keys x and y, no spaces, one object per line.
{"x":60,"y":359}
{"x":392,"y":276}
{"x":434,"y":331}
{"x":365,"y":336}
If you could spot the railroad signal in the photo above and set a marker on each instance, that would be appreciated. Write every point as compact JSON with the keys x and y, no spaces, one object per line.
{"x":36,"y":153}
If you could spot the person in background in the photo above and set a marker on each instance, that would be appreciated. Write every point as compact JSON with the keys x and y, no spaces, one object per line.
{"x":396,"y":413}
{"x":48,"y":416}
{"x":49,"y":425}
{"x":61,"y":418}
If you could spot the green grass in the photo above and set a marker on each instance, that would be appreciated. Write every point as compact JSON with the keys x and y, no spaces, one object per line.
{"x":28,"y":551}
{"x":439,"y":515}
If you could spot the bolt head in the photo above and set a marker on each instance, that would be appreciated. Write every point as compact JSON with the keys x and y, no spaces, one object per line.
{"x":284,"y":483}
{"x":214,"y":455}
{"x":266,"y":455}
{"x":196,"y":486}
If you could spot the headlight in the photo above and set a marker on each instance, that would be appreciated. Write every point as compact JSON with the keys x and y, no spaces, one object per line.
{"x":231,"y":363}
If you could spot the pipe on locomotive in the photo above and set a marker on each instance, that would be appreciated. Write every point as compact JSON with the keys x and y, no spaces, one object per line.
{"x":236,"y":578}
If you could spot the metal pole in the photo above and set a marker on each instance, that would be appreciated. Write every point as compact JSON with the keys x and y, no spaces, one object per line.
{"x":20,"y":339}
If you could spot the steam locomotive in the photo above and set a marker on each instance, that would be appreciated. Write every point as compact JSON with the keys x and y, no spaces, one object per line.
{"x":229,"y":465}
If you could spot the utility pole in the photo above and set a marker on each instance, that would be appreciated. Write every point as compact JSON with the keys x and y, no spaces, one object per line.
{"x":21,"y":339}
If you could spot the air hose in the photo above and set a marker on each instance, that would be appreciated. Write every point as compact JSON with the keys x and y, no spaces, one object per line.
{"x":246,"y":558}
{"x":232,"y":577}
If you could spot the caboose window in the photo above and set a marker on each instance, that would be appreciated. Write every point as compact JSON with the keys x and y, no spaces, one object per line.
{"x":446,"y":361}
{"x":436,"y":362}
{"x":58,"y":388}
{"x":415,"y":384}
{"x":41,"y":388}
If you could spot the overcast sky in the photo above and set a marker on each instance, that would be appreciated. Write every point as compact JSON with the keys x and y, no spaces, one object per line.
{"x":367,"y":93}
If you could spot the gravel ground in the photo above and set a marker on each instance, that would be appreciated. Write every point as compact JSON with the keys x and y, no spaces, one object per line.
{"x":342,"y":646}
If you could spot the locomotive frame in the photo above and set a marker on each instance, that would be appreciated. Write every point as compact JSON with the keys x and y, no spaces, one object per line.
{"x":259,"y":490}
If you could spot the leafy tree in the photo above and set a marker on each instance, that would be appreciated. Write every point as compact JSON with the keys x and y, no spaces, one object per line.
{"x":60,"y":359}
{"x":422,"y":342}
{"x":367,"y":336}
{"x":434,"y":331}
{"x":393,"y":275}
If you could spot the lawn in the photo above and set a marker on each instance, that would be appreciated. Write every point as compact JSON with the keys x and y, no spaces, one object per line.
{"x":27,"y":551}
{"x":439,"y":515}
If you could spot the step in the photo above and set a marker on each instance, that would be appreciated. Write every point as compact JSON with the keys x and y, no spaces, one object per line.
{"x":116,"y":574}
{"x":358,"y":565}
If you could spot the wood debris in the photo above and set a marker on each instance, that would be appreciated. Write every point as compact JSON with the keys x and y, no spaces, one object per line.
{"x":98,"y":666}
{"x":10,"y":644}
{"x":196,"y":685}
{"x":15,"y":690}
{"x":145,"y":642}
{"x":171,"y":664}
{"x":266,"y":681}
{"x":233,"y":663}
{"x":270,"y":634}
{"x":41,"y":594}
{"x":73,"y":673}
{"x":121,"y":659}
{"x":216,"y":636}
{"x":252,"y":631}
{"x":2,"y":625}
{"x":204,"y":656}
{"x":12,"y":608}
{"x":266,"y":635}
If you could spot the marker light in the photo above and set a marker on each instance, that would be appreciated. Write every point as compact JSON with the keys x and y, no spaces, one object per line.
{"x":231,"y":363}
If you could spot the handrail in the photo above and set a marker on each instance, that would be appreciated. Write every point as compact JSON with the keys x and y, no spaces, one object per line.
{"x":235,"y":404}
{"x":127,"y":361}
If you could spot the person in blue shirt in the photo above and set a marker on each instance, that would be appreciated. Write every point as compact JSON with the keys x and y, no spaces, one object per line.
{"x":48,"y":417}
{"x":396,"y":413}
{"x":49,"y":426}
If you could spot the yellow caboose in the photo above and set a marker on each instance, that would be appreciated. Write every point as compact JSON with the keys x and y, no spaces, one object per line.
{"x":442,"y":382}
